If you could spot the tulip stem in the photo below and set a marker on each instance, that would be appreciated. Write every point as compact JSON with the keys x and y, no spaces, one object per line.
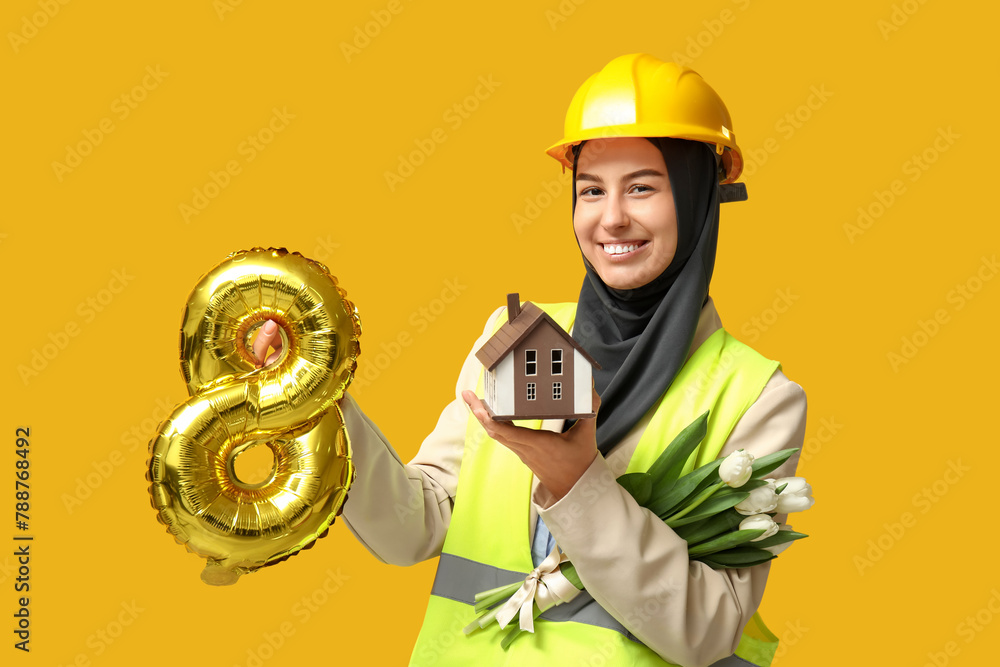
{"x":488,"y":598}
{"x":513,"y":632}
{"x":702,"y":497}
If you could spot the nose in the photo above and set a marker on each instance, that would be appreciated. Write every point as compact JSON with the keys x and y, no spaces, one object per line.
{"x":615,"y":213}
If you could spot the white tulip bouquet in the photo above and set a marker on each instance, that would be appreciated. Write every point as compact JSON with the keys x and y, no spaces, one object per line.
{"x":724,"y":511}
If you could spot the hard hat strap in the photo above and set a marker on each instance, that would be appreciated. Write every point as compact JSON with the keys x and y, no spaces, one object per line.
{"x":732,"y":192}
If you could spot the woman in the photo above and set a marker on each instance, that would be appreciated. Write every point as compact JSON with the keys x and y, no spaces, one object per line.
{"x":645,"y":215}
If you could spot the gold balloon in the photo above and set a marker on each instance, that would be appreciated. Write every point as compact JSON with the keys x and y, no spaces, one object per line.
{"x":291,"y":407}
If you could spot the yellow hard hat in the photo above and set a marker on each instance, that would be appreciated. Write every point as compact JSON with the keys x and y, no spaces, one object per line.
{"x":638,"y":95}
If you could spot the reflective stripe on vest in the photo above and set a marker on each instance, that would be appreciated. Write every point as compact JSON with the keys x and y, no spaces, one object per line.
{"x":459,"y":579}
{"x":488,"y":540}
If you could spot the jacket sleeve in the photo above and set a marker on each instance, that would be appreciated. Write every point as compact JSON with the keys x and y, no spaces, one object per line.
{"x":637,"y":568}
{"x":401,"y":512}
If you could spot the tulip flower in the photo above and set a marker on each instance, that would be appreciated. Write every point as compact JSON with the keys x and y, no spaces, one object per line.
{"x":760,"y":522}
{"x":697,"y":505}
{"x":736,"y":468}
{"x":795,"y":497}
{"x":762,"y":499}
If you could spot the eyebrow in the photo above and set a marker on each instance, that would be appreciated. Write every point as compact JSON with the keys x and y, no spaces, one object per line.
{"x":635,"y":174}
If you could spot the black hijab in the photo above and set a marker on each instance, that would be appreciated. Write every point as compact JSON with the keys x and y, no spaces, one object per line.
{"x":641,"y":337}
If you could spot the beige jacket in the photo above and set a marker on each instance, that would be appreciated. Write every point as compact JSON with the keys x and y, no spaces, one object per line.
{"x":635,"y":566}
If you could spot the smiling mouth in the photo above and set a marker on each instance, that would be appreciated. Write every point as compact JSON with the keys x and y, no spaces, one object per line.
{"x":614,"y":249}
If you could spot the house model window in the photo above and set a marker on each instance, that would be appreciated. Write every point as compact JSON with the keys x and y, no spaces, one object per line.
{"x":534,"y":369}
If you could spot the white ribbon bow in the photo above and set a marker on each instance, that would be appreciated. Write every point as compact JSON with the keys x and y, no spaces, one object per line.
{"x":546,"y":586}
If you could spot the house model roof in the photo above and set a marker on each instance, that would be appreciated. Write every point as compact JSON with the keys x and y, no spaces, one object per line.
{"x":521,"y":320}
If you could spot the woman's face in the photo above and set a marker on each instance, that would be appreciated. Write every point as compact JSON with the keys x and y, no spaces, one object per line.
{"x":625,"y":219}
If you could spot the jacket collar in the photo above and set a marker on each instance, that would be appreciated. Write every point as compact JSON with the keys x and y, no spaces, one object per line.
{"x":708,"y":324}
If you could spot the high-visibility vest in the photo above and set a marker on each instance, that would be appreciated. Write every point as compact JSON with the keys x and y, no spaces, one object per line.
{"x":488,"y":545}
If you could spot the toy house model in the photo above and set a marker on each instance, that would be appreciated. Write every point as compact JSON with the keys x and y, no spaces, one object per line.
{"x":534,"y":368}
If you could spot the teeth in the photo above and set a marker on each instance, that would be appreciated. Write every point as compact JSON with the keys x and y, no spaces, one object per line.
{"x":619,"y":249}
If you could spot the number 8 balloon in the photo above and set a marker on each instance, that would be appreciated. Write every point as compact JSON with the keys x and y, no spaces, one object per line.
{"x":290,"y":407}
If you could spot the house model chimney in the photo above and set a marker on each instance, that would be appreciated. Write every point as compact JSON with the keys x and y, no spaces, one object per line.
{"x":513,"y":306}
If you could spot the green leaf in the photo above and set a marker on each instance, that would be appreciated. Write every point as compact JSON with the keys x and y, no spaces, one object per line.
{"x":669,"y":499}
{"x":771,"y":462}
{"x":695,"y":503}
{"x":780,"y":537}
{"x":711,"y":563}
{"x":709,"y":527}
{"x":667,"y":467}
{"x":752,"y":484}
{"x":723,"y":542}
{"x":742,"y":557}
{"x":639,"y":485}
{"x":710,"y":480}
{"x":719,"y":502}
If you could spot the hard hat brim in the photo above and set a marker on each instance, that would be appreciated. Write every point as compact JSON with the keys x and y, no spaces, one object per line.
{"x":731,"y":156}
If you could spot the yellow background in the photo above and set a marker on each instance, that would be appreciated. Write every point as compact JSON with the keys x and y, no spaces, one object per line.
{"x":867,"y":85}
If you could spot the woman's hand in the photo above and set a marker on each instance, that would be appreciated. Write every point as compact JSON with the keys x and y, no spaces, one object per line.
{"x":268,"y":336}
{"x":557,"y":459}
